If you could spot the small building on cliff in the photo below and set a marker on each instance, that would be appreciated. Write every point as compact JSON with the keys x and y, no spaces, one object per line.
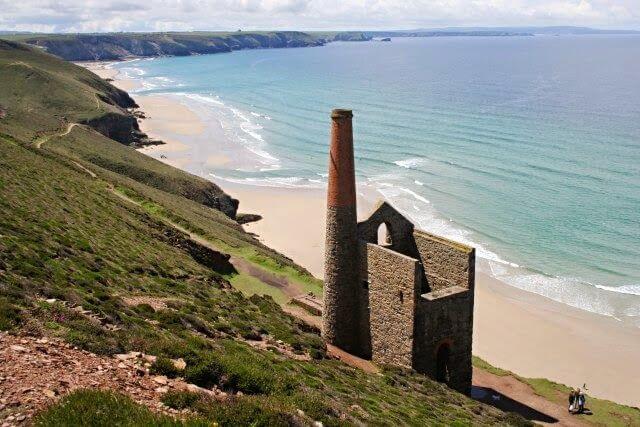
{"x":404,"y":298}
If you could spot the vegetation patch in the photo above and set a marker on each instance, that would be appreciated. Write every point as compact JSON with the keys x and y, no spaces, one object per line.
{"x":103,"y":408}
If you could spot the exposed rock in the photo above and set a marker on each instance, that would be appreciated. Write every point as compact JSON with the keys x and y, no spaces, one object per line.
{"x":49,"y":393}
{"x":43,"y":372}
{"x":246,"y":218}
{"x":215,"y":260}
{"x":179,"y":364}
{"x":123,"y":128}
{"x":160,"y":379}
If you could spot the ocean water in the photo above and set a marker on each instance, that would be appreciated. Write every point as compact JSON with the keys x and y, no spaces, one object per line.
{"x":527,"y":148}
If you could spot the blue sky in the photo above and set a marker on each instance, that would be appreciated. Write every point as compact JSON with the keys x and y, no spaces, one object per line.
{"x":164,"y":15}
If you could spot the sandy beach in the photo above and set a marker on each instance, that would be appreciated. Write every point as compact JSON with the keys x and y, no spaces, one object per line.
{"x":516,"y":330}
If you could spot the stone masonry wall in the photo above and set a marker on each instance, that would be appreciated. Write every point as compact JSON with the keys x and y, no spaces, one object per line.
{"x":445,"y":314}
{"x":446,"y":263}
{"x":447,"y":320}
{"x":393,"y":293}
{"x":400,"y":229}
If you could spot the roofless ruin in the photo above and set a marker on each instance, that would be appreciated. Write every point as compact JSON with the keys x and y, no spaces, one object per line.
{"x":405,"y":301}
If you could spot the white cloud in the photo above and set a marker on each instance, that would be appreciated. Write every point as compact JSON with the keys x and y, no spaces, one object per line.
{"x":162,"y":15}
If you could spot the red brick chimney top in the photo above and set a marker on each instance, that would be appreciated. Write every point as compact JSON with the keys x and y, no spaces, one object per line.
{"x":342,"y":181}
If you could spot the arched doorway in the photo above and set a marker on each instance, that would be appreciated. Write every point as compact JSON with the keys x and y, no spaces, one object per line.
{"x":442,"y":363}
{"x":384,"y":235}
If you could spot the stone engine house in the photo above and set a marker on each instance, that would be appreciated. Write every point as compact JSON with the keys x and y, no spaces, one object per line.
{"x":406,"y":300}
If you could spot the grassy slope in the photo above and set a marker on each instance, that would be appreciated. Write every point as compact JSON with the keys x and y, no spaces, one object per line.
{"x":75,"y":95}
{"x":67,"y":235}
{"x":72,"y":93}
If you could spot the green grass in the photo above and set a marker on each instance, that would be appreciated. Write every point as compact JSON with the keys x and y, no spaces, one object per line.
{"x":101,"y":408}
{"x":65,"y":236}
{"x":95,"y":151}
{"x":249,"y":285}
{"x":605,"y":412}
{"x":73,"y":93}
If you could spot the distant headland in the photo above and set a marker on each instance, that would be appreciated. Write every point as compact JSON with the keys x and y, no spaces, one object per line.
{"x":119,"y":46}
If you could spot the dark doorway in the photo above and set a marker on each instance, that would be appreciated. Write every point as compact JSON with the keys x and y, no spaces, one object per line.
{"x":442,"y":363}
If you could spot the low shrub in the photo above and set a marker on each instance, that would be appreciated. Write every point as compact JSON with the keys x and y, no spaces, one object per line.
{"x":180,"y":399}
{"x":164,"y":366}
{"x":255,"y":411}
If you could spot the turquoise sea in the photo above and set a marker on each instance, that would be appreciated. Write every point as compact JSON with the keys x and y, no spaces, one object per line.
{"x":526,"y":147}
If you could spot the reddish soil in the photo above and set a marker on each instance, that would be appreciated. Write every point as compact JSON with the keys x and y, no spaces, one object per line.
{"x":34,"y":373}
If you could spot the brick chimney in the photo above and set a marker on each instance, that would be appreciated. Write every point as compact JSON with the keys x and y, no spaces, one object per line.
{"x":341,"y":313}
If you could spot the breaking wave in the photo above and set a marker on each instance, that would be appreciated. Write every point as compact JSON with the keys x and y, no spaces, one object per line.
{"x":624,"y":289}
{"x":411,"y":163}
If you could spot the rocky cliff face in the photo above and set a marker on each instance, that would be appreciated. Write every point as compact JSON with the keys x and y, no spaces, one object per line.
{"x":118,"y":46}
{"x":119,"y":127}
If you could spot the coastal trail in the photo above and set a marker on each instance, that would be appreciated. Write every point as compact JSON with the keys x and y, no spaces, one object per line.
{"x":45,"y":138}
{"x":511,"y":395}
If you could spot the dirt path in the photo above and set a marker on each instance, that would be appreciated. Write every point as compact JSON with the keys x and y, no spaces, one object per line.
{"x":41,"y":140}
{"x":510,"y":394}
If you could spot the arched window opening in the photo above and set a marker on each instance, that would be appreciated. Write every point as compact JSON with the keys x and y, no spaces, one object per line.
{"x":443,"y":374}
{"x":384,"y":235}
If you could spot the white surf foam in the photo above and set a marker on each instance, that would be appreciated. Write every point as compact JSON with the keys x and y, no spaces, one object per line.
{"x":411,"y":163}
{"x":623,"y":289}
{"x":280,"y":182}
{"x":238,"y":127}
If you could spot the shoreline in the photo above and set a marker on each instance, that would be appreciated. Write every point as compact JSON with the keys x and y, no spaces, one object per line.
{"x":516,"y":330}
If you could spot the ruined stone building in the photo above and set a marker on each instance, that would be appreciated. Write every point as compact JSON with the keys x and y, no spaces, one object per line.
{"x":406,"y":300}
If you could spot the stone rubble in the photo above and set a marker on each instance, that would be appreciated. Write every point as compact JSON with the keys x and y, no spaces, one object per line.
{"x":35,"y":373}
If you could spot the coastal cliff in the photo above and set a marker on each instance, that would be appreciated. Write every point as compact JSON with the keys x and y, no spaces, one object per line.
{"x":108,"y":47}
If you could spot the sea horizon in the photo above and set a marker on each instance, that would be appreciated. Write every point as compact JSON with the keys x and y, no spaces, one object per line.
{"x":536,"y":171}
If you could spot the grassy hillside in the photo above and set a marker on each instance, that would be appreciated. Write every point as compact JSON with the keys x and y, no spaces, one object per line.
{"x":114,"y":46}
{"x":88,"y":225}
{"x":75,"y":95}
